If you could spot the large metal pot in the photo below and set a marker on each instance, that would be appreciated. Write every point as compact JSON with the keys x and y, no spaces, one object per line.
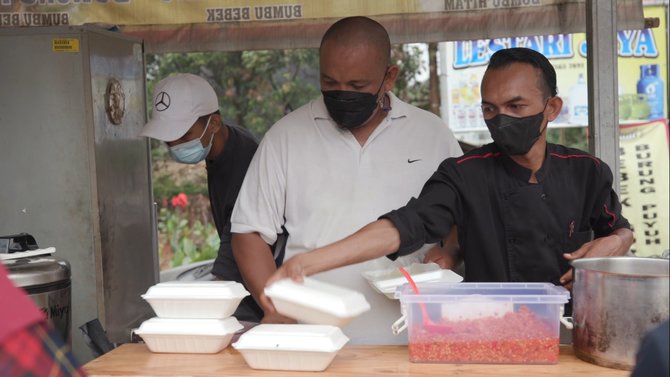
{"x":616,"y":301}
{"x":46,"y":279}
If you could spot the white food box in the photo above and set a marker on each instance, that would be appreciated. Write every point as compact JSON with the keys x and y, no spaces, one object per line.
{"x":197,"y":299}
{"x":316,"y":302}
{"x":291,"y":347}
{"x":387,"y":280}
{"x":173,"y":335}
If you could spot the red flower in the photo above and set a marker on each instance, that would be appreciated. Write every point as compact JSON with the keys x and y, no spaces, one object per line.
{"x":179,"y":200}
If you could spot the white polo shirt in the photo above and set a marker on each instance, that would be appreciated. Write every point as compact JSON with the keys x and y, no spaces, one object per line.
{"x":317,"y":181}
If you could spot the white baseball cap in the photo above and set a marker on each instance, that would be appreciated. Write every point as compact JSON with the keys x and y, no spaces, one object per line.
{"x":178,"y":101}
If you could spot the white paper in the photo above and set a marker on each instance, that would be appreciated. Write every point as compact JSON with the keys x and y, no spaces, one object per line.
{"x":26,"y":254}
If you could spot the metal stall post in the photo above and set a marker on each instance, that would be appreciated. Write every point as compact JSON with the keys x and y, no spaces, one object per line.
{"x":601,"y":63}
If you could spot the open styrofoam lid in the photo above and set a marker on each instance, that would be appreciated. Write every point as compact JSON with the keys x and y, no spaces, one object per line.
{"x":196,"y":290}
{"x":387,"y":280}
{"x":313,"y":338}
{"x":188,"y":326}
{"x":329,"y":298}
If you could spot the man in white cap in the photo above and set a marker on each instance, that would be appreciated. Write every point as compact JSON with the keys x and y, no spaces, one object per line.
{"x":186,"y":117}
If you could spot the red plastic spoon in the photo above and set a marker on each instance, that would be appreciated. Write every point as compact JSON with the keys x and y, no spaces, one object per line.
{"x":428,"y":323}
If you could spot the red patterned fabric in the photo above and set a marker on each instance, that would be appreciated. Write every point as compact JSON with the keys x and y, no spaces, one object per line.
{"x":17,"y":311}
{"x":37,"y":351}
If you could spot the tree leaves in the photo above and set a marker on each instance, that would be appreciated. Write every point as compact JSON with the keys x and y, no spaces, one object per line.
{"x":257,"y":88}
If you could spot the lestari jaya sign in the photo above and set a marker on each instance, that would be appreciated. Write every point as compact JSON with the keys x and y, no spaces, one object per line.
{"x":642,"y":78}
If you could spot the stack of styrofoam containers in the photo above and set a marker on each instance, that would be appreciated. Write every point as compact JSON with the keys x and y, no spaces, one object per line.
{"x":311,"y":345}
{"x":192,"y":317}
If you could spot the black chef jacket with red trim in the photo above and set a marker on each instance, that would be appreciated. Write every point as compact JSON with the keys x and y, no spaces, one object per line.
{"x":510,"y":230}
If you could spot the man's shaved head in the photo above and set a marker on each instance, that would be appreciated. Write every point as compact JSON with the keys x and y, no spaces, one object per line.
{"x":357,"y":31}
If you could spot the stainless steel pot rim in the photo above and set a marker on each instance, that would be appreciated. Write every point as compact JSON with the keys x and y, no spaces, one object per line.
{"x":34,"y":271}
{"x":632,"y":266}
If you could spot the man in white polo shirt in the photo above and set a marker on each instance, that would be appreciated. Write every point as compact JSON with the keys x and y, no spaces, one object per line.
{"x":335,"y":164}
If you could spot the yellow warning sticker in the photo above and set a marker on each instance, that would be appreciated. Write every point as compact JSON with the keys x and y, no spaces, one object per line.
{"x":65,"y":45}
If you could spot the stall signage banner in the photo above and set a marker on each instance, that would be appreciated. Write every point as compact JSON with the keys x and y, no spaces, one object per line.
{"x":642,"y":74}
{"x":233,"y":25}
{"x":168,"y":12}
{"x":645,"y":184}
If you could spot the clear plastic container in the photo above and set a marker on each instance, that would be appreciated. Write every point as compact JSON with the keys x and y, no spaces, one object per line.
{"x":316,"y":302}
{"x":489,"y":323}
{"x":197,"y":299}
{"x":386,"y":281}
{"x":174,"y":335}
{"x":291,"y":347}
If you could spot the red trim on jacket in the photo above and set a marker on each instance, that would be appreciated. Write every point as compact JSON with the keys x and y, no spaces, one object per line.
{"x":610,"y":213}
{"x":566,"y":156}
{"x":487,"y":155}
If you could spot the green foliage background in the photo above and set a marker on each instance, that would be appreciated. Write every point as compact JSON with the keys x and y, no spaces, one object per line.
{"x":257,"y":88}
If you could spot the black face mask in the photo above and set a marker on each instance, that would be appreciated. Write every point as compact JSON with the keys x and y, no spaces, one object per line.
{"x":351,"y":110}
{"x":515,"y":136}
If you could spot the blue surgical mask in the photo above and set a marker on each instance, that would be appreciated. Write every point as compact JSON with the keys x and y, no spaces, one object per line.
{"x":192,"y":151}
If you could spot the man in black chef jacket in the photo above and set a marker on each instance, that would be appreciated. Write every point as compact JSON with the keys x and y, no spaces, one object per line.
{"x":524,"y":208}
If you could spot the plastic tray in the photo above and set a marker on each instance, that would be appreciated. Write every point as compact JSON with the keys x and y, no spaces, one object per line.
{"x":291,"y":347}
{"x":174,"y":335}
{"x":207,"y":299}
{"x":491,"y":323}
{"x":386,"y":281}
{"x":316,"y":302}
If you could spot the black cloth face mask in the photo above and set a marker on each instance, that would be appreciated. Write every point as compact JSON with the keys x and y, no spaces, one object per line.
{"x":515,"y":136}
{"x":351,"y":110}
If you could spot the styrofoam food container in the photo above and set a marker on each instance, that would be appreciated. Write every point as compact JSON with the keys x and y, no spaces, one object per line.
{"x":175,"y":335}
{"x":197,"y":299}
{"x":316,"y":302}
{"x":291,"y":347}
{"x":386,"y":281}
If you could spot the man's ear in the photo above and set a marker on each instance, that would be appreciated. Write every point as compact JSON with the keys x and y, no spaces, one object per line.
{"x":391,"y":75}
{"x":216,"y":122}
{"x":554,"y":107}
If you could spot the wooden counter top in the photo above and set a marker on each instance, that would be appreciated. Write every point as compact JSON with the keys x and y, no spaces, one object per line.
{"x":137,"y":360}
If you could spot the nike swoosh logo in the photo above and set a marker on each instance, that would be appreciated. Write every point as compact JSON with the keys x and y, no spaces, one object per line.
{"x":412,"y":161}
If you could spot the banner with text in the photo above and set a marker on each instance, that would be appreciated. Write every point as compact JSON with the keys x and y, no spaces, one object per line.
{"x":644,"y":150}
{"x":234,"y":25}
{"x":642,"y":78}
{"x":144,"y":12}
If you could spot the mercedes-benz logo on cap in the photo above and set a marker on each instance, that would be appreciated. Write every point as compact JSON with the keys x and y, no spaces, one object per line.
{"x":162,"y":101}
